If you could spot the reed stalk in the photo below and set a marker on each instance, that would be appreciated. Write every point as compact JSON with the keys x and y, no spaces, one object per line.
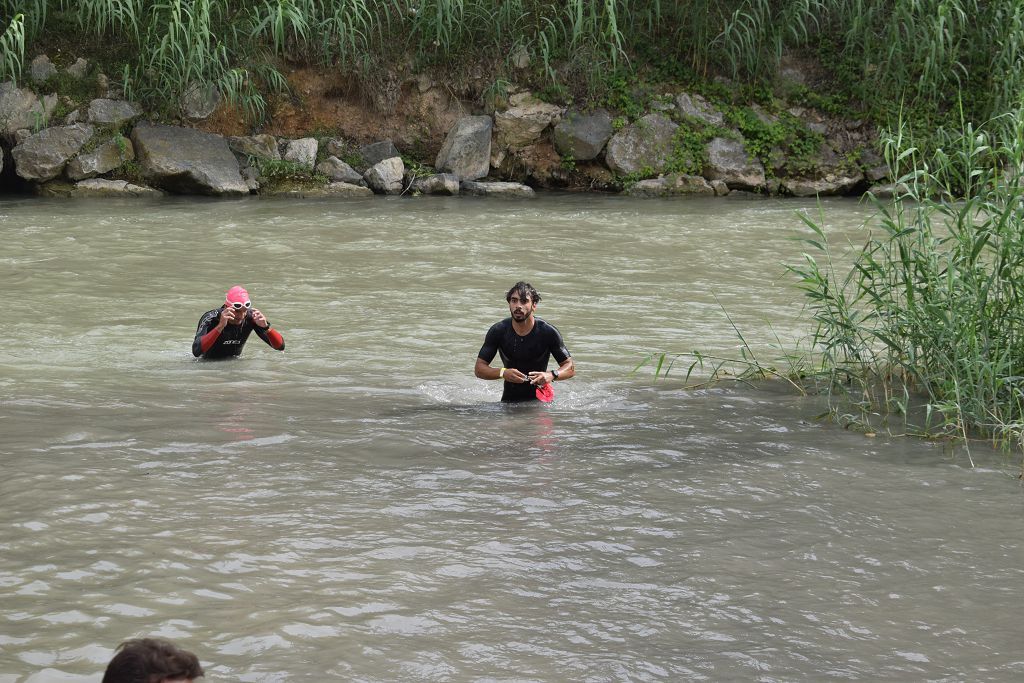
{"x":12,"y":48}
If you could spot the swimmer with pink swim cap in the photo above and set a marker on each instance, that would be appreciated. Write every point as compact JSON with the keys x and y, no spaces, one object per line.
{"x":222,"y":332}
{"x":237,"y":297}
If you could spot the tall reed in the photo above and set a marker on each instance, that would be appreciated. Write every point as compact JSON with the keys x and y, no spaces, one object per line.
{"x":108,"y":17}
{"x":12,"y":49}
{"x":920,"y":52}
{"x":34,"y":15}
{"x":934,"y":300}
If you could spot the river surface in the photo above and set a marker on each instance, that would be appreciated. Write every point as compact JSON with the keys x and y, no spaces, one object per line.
{"x":361,"y":508}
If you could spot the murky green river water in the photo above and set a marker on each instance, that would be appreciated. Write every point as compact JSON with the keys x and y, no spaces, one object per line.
{"x":361,"y":508}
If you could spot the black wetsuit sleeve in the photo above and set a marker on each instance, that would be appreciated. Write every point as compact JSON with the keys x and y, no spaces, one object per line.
{"x":556,"y":346}
{"x":492,"y":341}
{"x":206,"y":323}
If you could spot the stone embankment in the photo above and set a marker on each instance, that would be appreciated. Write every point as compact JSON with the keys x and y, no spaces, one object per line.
{"x":108,"y":147}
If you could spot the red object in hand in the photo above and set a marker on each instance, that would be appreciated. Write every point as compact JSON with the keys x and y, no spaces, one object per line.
{"x":546,"y":393}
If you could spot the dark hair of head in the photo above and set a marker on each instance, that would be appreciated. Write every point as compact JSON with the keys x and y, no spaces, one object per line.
{"x":525,"y":291}
{"x":151,"y":660}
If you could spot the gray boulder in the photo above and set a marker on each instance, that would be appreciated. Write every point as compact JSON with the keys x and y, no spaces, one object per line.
{"x":251,"y":176}
{"x":728,"y":161}
{"x":79,"y":69}
{"x":43,"y":156}
{"x":672,"y":185}
{"x":439,"y":183}
{"x":524,"y":122}
{"x":644,"y":146}
{"x":106,"y":112}
{"x":320,"y":192}
{"x":340,"y":148}
{"x":497,"y":189}
{"x":112,"y":90}
{"x":200,"y":100}
{"x":819,"y":127}
{"x":466,"y":151}
{"x":302,"y":152}
{"x":582,"y":136}
{"x":826,"y":160}
{"x":23,"y":109}
{"x":720,"y":188}
{"x":377,"y":152}
{"x":830,"y":185}
{"x":874,"y":166}
{"x":385,"y":177}
{"x":346,"y":190}
{"x":258,"y":146}
{"x":41,"y":69}
{"x":338,"y":171}
{"x":697,"y":107}
{"x":100,"y":187}
{"x":833,"y":175}
{"x":110,"y":155}
{"x":762,"y":115}
{"x":889,"y":190}
{"x":187,"y":161}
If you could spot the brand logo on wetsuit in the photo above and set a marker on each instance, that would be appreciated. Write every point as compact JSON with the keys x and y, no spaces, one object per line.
{"x":232,"y":341}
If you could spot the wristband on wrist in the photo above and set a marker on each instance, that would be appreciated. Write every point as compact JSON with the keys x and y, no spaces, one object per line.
{"x":501,"y":373}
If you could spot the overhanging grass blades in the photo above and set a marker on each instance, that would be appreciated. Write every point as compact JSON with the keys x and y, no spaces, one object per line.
{"x":12,"y":49}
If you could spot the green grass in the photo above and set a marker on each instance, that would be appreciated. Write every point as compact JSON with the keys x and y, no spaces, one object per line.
{"x":12,"y":48}
{"x":912,"y":58}
{"x":278,"y":171}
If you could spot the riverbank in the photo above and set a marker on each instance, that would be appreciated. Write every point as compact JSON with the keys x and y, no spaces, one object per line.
{"x":654,"y":99}
{"x":85,"y":139}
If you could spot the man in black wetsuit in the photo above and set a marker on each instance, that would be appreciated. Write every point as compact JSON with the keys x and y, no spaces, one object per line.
{"x":223,"y":331}
{"x":525,"y":344}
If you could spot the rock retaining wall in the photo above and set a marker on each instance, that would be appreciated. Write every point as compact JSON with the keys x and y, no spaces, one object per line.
{"x":526,"y":145}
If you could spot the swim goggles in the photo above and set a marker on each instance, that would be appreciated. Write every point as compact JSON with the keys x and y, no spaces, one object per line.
{"x":238,"y":304}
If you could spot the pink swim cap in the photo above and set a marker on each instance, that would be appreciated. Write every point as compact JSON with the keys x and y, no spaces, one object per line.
{"x":237,"y":293}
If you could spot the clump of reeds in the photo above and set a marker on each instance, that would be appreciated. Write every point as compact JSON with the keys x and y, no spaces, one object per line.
{"x":933,"y":304}
{"x":12,"y":48}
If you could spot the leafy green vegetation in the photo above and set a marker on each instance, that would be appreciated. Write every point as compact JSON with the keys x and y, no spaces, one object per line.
{"x":766,"y":136}
{"x":934,"y":302}
{"x":689,"y":151}
{"x":278,"y":171}
{"x":12,"y":48}
{"x":909,"y":56}
{"x":927,"y":318}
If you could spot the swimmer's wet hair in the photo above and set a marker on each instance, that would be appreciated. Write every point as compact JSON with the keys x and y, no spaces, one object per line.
{"x":150,"y":660}
{"x":524,"y":290}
